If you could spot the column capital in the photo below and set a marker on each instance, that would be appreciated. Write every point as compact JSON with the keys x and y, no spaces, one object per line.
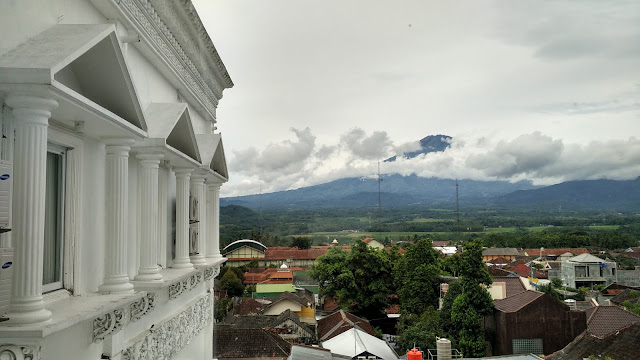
{"x":152,"y":157}
{"x":182,"y":172}
{"x":213,"y":184}
{"x":198,"y":178}
{"x":109,"y":141}
{"x":18,"y":101}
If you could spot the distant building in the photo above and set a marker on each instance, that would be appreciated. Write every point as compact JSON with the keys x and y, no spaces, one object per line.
{"x":249,"y":344}
{"x":585,"y":270}
{"x":509,"y":254}
{"x":371,"y":242}
{"x":533,"y":322}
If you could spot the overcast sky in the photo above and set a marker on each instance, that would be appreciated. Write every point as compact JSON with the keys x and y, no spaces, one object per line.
{"x":541,"y":90}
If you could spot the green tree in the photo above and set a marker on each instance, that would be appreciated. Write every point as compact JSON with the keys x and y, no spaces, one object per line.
{"x":231,"y":283}
{"x":416,"y":276}
{"x":421,"y":331}
{"x":361,"y":279}
{"x":474,"y":302}
{"x":450,"y":328}
{"x":301,"y":242}
{"x":221,"y":307}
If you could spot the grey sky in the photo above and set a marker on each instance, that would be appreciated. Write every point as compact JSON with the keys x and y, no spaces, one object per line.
{"x":540,"y":90}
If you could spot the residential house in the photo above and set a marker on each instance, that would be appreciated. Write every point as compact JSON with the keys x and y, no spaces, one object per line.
{"x":533,"y":322}
{"x":249,"y":344}
{"x":585,"y":270}
{"x":286,"y":324}
{"x":304,"y":307}
{"x":108,"y":119}
{"x":611,"y":331}
{"x":339,"y":322}
{"x":371,"y":242}
{"x":506,"y":286}
{"x":554,"y":254}
{"x":509,"y":254}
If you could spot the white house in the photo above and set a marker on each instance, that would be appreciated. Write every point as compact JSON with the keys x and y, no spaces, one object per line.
{"x":109,"y":180}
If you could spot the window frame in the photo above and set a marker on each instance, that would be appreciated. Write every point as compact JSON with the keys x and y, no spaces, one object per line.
{"x":61,"y":216}
{"x":62,"y":136}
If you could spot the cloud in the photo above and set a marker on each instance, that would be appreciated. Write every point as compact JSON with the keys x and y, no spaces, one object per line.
{"x":537,"y":157}
{"x":375,"y":146}
{"x":284,"y":158}
{"x":526,"y":154}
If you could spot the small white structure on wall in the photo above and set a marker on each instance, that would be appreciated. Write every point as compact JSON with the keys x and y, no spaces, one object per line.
{"x":110,"y":171}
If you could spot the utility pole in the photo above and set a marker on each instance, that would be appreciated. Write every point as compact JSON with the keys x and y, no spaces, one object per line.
{"x":379,"y":200}
{"x":457,"y":215}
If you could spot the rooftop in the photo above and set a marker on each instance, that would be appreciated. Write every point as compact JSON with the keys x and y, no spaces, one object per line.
{"x":518,"y":301}
{"x":605,"y":320}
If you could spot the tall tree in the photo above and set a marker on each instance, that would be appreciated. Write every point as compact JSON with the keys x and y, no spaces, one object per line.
{"x":361,"y":279}
{"x":232,"y":283}
{"x":416,"y":276}
{"x":474,"y":302}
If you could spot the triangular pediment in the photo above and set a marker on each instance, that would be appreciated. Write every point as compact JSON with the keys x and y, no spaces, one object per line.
{"x":85,"y":59}
{"x":171,"y":121}
{"x":212,"y":153}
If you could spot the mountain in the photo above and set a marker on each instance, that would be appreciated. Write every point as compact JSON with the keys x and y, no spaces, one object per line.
{"x":395,"y":191}
{"x":431,"y":143}
{"x":612,"y":195}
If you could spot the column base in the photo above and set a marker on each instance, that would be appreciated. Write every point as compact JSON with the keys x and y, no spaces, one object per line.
{"x":182,"y":264}
{"x":41,"y":316}
{"x":148,"y":274}
{"x":117,"y":285}
{"x":198,"y":259}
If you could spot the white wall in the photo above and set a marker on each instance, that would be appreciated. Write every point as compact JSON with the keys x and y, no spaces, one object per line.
{"x":22,"y":19}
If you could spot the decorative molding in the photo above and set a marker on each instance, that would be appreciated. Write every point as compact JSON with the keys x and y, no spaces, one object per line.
{"x":20,"y":352}
{"x":142,"y":307}
{"x":165,"y":340}
{"x":143,"y":13}
{"x":185,"y":285}
{"x":109,"y":323}
{"x":114,"y":320}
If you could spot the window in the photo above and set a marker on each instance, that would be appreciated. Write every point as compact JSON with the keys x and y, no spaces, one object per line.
{"x":527,"y":346}
{"x":52,"y":271}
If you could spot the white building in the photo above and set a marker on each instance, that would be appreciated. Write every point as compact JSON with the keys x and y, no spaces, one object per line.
{"x":109,"y":145}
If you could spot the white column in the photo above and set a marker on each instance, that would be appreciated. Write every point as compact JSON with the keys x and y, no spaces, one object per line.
{"x":213,"y":221}
{"x":31,"y":118}
{"x":197,"y":190}
{"x":148,"y":188}
{"x":181,"y":259}
{"x":116,"y":279}
{"x":163,"y":198}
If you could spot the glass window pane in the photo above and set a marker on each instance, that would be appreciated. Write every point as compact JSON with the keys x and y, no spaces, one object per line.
{"x":52,"y":269}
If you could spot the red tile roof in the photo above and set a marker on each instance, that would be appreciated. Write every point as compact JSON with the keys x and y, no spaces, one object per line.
{"x":330,"y":304}
{"x":512,"y":283}
{"x":556,"y":252}
{"x":367,"y":240}
{"x":604,"y":320}
{"x":518,"y":301}
{"x":339,"y":322}
{"x":499,"y":260}
{"x":521,"y":269}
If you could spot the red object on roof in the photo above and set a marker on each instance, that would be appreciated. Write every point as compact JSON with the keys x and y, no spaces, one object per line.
{"x":414,"y":354}
{"x":367,"y":240}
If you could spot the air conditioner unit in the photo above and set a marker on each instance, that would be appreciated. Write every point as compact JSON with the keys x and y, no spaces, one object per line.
{"x":193,"y":209}
{"x":193,"y":241}
{"x":6,"y":268}
{"x":6,"y":179}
